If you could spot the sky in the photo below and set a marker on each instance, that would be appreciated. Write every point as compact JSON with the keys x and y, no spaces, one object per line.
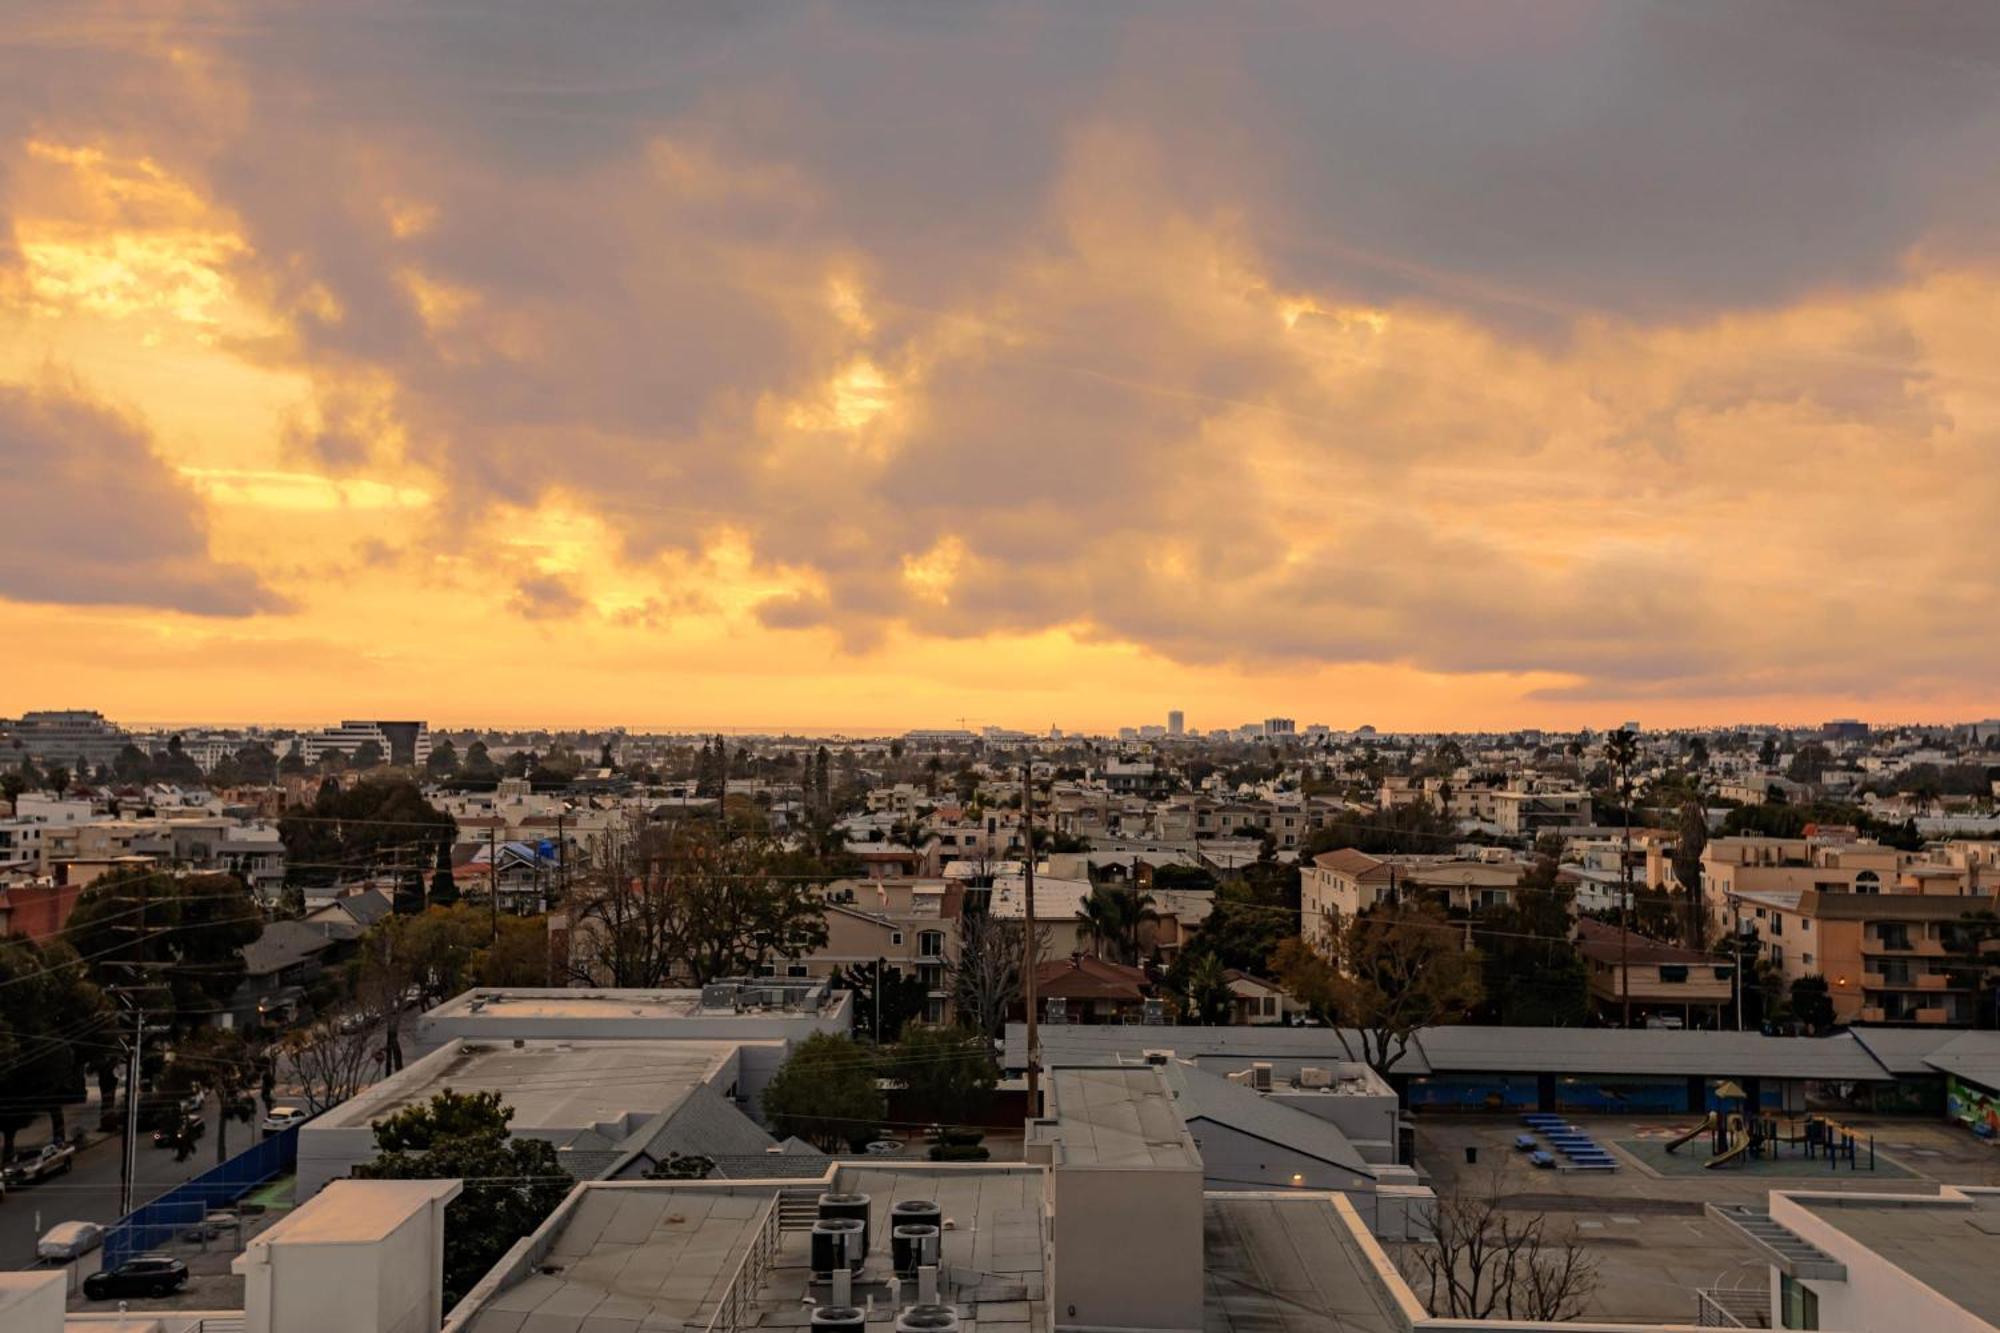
{"x":876,"y":365}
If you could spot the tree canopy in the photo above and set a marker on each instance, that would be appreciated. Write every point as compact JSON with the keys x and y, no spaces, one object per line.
{"x":826,"y":1093}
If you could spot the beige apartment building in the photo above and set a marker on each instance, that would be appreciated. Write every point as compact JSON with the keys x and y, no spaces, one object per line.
{"x":910,"y":927}
{"x":1346,"y":882}
{"x":1886,"y":928}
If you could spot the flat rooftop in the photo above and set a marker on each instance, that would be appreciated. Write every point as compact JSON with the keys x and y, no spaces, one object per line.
{"x":1288,"y":1265}
{"x":550,"y":1084}
{"x":1947,"y":1244}
{"x":628,"y":1004}
{"x":1117,"y":1118}
{"x":660,"y":1255}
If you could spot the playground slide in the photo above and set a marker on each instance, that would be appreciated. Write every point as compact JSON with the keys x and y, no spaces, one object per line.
{"x":1739,"y":1144}
{"x":1707,"y":1125}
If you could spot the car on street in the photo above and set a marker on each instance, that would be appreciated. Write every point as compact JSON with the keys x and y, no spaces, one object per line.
{"x":69,"y":1240}
{"x":37,"y":1164}
{"x":165,"y":1135}
{"x":283,"y":1118}
{"x":141,"y":1275}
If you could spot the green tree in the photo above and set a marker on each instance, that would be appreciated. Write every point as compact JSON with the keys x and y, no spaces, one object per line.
{"x":511,"y":1184}
{"x":948,"y":1074}
{"x":443,"y":760}
{"x":51,"y":1018}
{"x":1204,"y":991}
{"x":826,"y":1093}
{"x":354,"y":834}
{"x":367,"y":755}
{"x":444,"y":886}
{"x":1812,"y":1002}
{"x":183,"y":932}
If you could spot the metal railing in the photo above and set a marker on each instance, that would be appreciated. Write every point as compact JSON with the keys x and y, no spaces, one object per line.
{"x":737,"y":1308}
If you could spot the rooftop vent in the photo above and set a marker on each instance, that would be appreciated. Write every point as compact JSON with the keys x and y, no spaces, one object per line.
{"x":927,"y":1319}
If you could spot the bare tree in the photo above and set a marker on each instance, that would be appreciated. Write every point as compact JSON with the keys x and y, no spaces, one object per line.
{"x":332,"y":1059}
{"x":1485,"y":1261}
{"x":986,"y":981}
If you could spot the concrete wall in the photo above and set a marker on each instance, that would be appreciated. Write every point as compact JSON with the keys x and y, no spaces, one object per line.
{"x":1877,"y":1294}
{"x":370,"y":1280}
{"x":1126,"y":1248}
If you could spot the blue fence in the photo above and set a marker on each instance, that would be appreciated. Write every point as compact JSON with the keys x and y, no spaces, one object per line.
{"x":156,"y":1223}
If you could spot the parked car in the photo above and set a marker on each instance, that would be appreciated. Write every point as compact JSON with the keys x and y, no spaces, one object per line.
{"x":35,"y":1164}
{"x":164,"y":1136}
{"x":141,"y":1275}
{"x":283,"y":1118}
{"x":69,"y":1240}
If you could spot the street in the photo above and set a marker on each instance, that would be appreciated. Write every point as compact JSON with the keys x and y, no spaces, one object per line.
{"x":89,"y":1192}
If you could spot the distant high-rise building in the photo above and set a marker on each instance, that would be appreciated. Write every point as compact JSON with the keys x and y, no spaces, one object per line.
{"x":1176,"y":723}
{"x":1844,"y":729}
{"x":406,"y":744}
{"x":62,"y":736}
{"x":1281,"y":726}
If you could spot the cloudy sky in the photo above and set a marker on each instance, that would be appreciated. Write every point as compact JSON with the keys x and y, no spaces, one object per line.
{"x":882,"y":364}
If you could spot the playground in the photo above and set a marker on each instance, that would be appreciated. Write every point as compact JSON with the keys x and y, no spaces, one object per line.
{"x":1807,"y":1147}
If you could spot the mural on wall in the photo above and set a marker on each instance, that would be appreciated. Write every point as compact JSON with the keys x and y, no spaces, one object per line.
{"x":1974,"y":1105}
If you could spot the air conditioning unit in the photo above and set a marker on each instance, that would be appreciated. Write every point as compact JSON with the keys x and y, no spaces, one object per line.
{"x":1311,"y":1076}
{"x":1260,"y":1076}
{"x":1157,"y":1057}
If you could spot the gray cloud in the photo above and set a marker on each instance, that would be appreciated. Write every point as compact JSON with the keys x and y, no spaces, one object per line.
{"x":93,"y":517}
{"x":1057,"y":215}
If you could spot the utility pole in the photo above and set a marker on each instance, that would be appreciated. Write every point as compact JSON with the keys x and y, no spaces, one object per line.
{"x":129,"y":1166}
{"x":493,"y":876}
{"x":1625,"y":913}
{"x":562,"y":857}
{"x":1028,"y":942}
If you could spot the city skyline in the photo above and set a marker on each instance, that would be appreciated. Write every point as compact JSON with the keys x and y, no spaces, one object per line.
{"x":1393,"y":363}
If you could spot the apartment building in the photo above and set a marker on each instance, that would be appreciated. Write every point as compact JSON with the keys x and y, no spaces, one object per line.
{"x":907,"y":927}
{"x":1659,"y":980}
{"x":403,"y":743}
{"x":1346,"y":882}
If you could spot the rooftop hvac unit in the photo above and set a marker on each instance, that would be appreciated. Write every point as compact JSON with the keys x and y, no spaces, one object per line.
{"x":839,"y":1319}
{"x":917,"y":1212}
{"x":1056,"y":1010}
{"x":719,"y":995}
{"x":850,"y":1206}
{"x":838,"y":1241}
{"x":912,"y":1246}
{"x":1241,"y":1076}
{"x":1310,"y":1076}
{"x":1158,"y":1057}
{"x":927,"y":1319}
{"x":1260,"y":1076}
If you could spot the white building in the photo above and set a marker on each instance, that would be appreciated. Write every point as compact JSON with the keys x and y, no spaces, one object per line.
{"x":405,"y":744}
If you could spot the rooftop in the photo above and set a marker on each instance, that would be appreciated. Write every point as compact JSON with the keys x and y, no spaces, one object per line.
{"x":666,"y":1255}
{"x":1289,"y":1264}
{"x":558,"y":1003}
{"x":550,"y":1084}
{"x":1119,"y":1118}
{"x":1947,"y":1243}
{"x":357,"y":1212}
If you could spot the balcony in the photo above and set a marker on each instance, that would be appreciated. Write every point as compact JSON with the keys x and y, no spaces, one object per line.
{"x":1872,"y":981}
{"x":1933,"y":981}
{"x":1872,"y":1013}
{"x":1930,"y":948}
{"x":1931,"y":1016}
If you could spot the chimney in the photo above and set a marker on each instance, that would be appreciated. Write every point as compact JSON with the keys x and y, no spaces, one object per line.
{"x":362,"y":1256}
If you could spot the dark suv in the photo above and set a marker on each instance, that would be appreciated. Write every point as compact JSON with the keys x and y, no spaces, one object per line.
{"x":141,"y":1275}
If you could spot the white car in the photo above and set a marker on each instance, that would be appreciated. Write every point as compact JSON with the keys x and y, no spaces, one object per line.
{"x":70,"y":1240}
{"x":283,"y":1118}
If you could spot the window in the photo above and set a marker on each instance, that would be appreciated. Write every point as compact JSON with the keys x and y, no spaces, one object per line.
{"x":1673,"y":973}
{"x":930,"y":943}
{"x":1777,"y":924}
{"x":795,"y":969}
{"x":1868,"y":882}
{"x":1805,"y":960}
{"x":895,"y":937}
{"x":1893,"y":936}
{"x":1799,"y":1304}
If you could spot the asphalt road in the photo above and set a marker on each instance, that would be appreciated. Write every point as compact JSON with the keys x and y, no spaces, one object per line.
{"x":89,"y":1192}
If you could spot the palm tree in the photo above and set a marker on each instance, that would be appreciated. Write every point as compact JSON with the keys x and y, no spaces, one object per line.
{"x":1622,"y":748}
